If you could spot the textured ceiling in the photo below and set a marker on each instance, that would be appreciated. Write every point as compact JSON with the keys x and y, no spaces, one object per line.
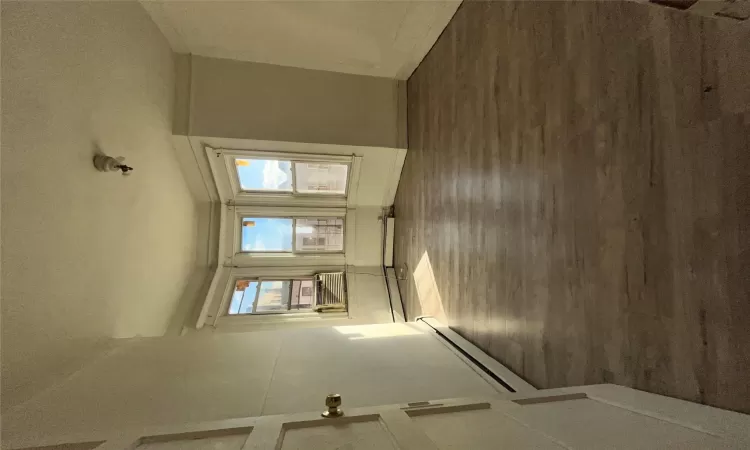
{"x":379,"y":38}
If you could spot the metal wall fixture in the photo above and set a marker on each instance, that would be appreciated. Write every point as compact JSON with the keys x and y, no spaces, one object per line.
{"x":105,"y":163}
{"x":333,"y":402}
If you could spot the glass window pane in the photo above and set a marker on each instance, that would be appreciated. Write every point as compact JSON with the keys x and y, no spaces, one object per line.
{"x":266,"y":234}
{"x":302,"y":294}
{"x":243,"y":297}
{"x":320,"y":235}
{"x":264,"y":174}
{"x":274,"y":296}
{"x":321,"y":178}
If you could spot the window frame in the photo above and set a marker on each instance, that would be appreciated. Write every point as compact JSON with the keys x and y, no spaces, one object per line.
{"x":231,"y":295}
{"x":325,"y":194}
{"x":321,"y":252}
{"x":269,"y":252}
{"x":231,"y":161}
{"x":294,"y":250}
{"x":233,"y":173}
{"x":260,"y":280}
{"x":219,"y":295}
{"x":219,"y":298}
{"x":218,"y":156}
{"x":233,"y":230}
{"x":222,"y":163}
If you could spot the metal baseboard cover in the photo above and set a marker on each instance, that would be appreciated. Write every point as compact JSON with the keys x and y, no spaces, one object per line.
{"x":494,"y":369}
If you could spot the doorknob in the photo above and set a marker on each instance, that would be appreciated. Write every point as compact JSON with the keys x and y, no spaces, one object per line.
{"x":333,"y":402}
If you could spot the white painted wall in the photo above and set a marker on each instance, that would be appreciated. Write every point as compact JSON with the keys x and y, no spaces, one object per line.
{"x":368,"y":238}
{"x":378,"y":38}
{"x":368,"y":291}
{"x":248,"y":106}
{"x":200,"y":377}
{"x":87,"y":256}
{"x":245,"y":100}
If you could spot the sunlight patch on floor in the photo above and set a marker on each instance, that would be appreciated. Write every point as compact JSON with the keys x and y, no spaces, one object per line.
{"x":359,"y":332}
{"x":427,"y":290}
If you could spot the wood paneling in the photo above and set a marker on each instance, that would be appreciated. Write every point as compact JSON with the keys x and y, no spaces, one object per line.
{"x":578,"y":177}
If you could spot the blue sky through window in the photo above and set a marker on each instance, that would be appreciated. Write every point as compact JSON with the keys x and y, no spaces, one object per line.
{"x":264,"y":175}
{"x":243,"y":298}
{"x":266,"y":234}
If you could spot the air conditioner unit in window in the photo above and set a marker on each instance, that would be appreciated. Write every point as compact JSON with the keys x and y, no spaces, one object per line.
{"x":330,"y":292}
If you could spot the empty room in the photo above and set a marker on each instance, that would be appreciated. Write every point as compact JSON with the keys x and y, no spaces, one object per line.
{"x":373,"y":224}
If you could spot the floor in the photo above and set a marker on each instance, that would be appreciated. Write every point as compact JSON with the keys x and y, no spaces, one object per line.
{"x":576,"y":195}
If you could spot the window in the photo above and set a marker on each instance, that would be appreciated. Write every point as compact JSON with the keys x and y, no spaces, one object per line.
{"x":264,"y":174}
{"x":271,"y":175}
{"x":320,"y":235}
{"x":271,"y":234}
{"x":272,"y":296}
{"x":243,"y":298}
{"x":318,"y":178}
{"x":282,"y":224}
{"x":292,"y":235}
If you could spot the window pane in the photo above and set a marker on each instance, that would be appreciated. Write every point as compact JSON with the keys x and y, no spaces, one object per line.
{"x":320,"y":235}
{"x":266,"y":234}
{"x":264,"y":174}
{"x":274,"y":296}
{"x":302,"y":294}
{"x":243,"y":297}
{"x":321,"y":178}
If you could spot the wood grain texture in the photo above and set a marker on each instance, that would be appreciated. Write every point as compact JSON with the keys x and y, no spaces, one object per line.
{"x":578,"y":178}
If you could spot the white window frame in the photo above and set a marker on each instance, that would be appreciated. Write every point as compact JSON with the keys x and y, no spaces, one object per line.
{"x":320,"y":252}
{"x":224,"y":170}
{"x":294,"y":250}
{"x":232,"y":231}
{"x":218,"y":299}
{"x":260,"y":280}
{"x":234,"y":179}
{"x":235,"y":264}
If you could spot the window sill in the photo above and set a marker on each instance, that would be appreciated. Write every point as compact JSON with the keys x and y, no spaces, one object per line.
{"x":288,"y":259}
{"x":253,"y":319}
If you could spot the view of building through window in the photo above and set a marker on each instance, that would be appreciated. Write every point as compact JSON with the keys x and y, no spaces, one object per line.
{"x":294,"y":234}
{"x":274,"y":234}
{"x":268,"y":296}
{"x":325,"y":235}
{"x":321,"y":178}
